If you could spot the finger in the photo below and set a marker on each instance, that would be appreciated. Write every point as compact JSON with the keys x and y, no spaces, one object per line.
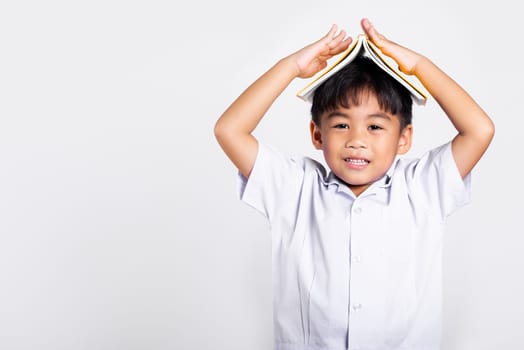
{"x":335,"y":40}
{"x":342,"y":45}
{"x":346,"y":41}
{"x":326,"y":39}
{"x":339,"y":42}
{"x":365,"y":23}
{"x":372,"y":33}
{"x":339,"y":37}
{"x":369,"y":29}
{"x":331,"y":34}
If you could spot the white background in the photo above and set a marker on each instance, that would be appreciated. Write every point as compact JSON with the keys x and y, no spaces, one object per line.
{"x":119,"y":223}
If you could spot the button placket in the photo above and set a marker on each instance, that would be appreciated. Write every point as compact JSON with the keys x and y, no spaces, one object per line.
{"x":356,"y":258}
{"x":359,"y":298}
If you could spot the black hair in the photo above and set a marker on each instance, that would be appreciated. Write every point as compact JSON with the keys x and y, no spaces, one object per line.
{"x":352,"y":83}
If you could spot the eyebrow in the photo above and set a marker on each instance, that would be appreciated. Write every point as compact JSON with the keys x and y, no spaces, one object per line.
{"x":372,"y":115}
{"x":380,"y":115}
{"x":336,"y":114}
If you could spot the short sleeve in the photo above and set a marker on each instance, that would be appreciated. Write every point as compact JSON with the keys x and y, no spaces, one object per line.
{"x":435,"y":181}
{"x":274,"y":180}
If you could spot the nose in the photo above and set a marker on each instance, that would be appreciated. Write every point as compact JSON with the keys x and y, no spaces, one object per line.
{"x":356,"y":139}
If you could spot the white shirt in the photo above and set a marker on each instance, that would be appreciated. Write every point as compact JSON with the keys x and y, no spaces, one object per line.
{"x":356,"y":272}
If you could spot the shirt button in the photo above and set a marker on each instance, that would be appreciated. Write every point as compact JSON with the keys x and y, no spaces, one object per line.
{"x":358,"y":210}
{"x":357,"y":306}
{"x":357,"y":259}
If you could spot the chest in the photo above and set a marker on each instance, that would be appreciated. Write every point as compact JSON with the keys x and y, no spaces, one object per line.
{"x":369,"y":225}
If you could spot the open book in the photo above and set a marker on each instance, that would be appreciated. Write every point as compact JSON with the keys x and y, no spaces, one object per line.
{"x":362,"y":46}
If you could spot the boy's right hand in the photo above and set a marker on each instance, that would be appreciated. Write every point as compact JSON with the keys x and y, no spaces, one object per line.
{"x":234,"y":128}
{"x":313,"y":58}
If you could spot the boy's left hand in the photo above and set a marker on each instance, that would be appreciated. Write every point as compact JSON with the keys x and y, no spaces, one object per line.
{"x":406,"y":59}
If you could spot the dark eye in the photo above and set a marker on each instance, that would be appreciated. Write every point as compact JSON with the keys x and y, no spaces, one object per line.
{"x":341,"y":126}
{"x":375,"y":127}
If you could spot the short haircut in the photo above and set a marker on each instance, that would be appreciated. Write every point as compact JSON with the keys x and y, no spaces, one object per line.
{"x":356,"y":81}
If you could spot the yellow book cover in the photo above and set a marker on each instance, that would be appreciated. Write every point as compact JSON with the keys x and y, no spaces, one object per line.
{"x":362,"y":46}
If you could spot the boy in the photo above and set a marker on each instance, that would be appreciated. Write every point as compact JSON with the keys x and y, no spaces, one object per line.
{"x":356,"y":252}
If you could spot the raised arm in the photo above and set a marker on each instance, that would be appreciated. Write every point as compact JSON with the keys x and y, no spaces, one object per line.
{"x":234,"y":128}
{"x":475,"y":128}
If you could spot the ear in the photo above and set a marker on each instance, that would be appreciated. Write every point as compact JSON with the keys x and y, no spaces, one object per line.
{"x":316,"y":135}
{"x":404,"y":142}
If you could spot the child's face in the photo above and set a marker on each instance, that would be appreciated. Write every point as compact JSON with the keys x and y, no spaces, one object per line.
{"x":360,"y":143}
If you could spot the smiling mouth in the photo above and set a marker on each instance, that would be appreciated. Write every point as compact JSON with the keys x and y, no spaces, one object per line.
{"x":356,"y":161}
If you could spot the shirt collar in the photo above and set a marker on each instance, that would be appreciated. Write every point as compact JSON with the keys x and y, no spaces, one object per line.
{"x":380,"y":190}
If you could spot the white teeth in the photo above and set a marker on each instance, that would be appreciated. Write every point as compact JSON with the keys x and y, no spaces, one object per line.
{"x":356,"y":161}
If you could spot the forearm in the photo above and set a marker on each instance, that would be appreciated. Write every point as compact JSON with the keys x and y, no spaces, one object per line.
{"x":475,"y":129}
{"x":233,"y":129}
{"x":244,"y":114}
{"x":465,"y":114}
